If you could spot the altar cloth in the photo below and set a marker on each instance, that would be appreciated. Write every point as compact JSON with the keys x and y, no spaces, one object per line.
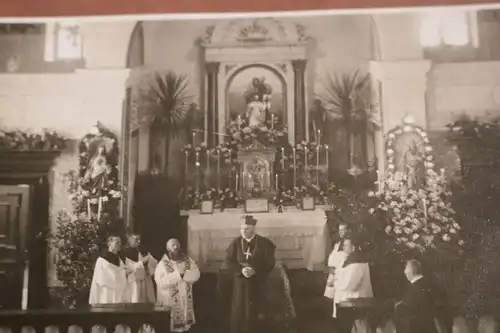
{"x":301,"y":237}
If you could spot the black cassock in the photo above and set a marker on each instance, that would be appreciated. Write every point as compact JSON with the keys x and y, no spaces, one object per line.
{"x":247,"y":293}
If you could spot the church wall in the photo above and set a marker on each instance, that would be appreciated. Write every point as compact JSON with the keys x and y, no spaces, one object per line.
{"x":67,"y":103}
{"x":342,"y":43}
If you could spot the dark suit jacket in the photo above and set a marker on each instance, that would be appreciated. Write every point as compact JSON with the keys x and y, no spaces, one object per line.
{"x":416,"y":312}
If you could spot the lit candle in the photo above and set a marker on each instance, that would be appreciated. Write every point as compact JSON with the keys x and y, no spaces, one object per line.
{"x":276,"y":176}
{"x":197,"y":171}
{"x":208,"y":161}
{"x":294,"y":168}
{"x":317,"y":165}
{"x":218,"y":169}
{"x":283,"y":158}
{"x":194,"y":139}
{"x":236,"y":183}
{"x":239,"y":122}
{"x":319,"y":137}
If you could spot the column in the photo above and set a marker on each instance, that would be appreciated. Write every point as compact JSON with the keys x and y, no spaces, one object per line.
{"x":299,"y":67}
{"x":401,"y":89}
{"x":212,"y":69}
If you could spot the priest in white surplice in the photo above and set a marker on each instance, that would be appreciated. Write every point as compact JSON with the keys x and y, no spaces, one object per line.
{"x":109,"y":282}
{"x":141,"y":266}
{"x":336,"y":258}
{"x":175,"y":275}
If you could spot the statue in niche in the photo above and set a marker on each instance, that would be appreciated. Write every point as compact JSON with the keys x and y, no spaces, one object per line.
{"x":412,"y":163}
{"x":96,"y":177}
{"x":258,"y":98}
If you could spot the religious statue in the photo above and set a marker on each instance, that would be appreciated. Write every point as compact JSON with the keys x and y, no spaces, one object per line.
{"x":256,"y":112}
{"x":260,"y":88}
{"x":96,"y":177}
{"x":413,"y":164}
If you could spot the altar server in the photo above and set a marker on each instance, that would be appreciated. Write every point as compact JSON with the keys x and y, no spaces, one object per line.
{"x":336,"y":258}
{"x":109,"y":282}
{"x":175,"y":275}
{"x":141,"y":266}
{"x":250,"y":259}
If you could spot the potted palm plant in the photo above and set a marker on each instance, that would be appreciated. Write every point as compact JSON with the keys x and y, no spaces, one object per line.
{"x":164,"y":104}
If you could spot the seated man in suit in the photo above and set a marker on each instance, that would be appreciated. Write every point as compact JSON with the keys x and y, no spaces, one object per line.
{"x":415,"y":312}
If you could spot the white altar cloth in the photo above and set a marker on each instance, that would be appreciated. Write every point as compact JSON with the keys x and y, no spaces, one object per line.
{"x":301,"y":237}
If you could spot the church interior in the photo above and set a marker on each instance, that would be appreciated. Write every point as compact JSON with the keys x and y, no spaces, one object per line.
{"x":194,"y":123}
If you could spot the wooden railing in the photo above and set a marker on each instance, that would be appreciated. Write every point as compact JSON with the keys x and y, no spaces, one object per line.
{"x":133,"y":316}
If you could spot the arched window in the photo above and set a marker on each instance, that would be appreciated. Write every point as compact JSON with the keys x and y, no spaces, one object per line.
{"x":449,"y":27}
{"x":63,"y":41}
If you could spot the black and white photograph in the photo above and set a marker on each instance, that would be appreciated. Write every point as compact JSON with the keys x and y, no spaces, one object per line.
{"x":295,"y":172}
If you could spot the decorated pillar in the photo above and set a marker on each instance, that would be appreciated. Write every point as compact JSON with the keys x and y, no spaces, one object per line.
{"x":401,"y":91}
{"x":299,"y":67}
{"x":212,"y":70}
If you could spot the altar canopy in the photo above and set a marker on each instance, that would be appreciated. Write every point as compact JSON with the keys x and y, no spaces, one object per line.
{"x":301,"y":237}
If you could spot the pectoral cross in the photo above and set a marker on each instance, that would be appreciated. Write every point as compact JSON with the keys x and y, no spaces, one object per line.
{"x":247,"y":254}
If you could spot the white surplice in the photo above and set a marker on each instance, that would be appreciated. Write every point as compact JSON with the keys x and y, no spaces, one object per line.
{"x":351,"y":282}
{"x":174,"y":282}
{"x":109,"y":283}
{"x":140,"y":279}
{"x":335,"y":260}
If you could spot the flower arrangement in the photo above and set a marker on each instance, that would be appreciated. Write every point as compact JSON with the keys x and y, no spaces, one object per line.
{"x":294,"y":196}
{"x":242,"y":136}
{"x":417,"y":219}
{"x":25,"y":141}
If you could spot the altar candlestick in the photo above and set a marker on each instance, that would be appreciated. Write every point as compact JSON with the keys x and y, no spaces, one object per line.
{"x":276,"y":177}
{"x":208,"y":161}
{"x":194,"y":139}
{"x":272,"y":120}
{"x":327,"y":163}
{"x":294,"y":168}
{"x":317,"y":165}
{"x":218,"y":169}
{"x":239,"y":122}
{"x":424,"y":203}
{"x":283,"y":158}
{"x":305,"y":162}
{"x":197,"y":171}
{"x":319,"y":137}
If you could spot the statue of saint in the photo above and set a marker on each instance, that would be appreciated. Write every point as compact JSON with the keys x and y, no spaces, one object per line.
{"x":98,"y":170}
{"x":413,"y":164}
{"x":256,"y":112}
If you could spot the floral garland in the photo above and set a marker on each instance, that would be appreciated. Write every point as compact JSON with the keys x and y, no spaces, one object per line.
{"x":18,"y":140}
{"x":408,"y":128}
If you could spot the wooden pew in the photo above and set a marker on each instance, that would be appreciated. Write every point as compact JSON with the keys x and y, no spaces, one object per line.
{"x":108,"y":316}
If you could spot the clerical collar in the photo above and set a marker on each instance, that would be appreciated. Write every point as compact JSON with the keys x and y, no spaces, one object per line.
{"x":248,"y":239}
{"x":416,"y":278}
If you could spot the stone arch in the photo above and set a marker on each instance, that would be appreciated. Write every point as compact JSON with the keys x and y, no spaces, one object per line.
{"x":135,"y":51}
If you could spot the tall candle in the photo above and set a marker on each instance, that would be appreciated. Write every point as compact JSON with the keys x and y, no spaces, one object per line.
{"x":294,"y":168}
{"x":194,"y":139}
{"x":236,"y":183}
{"x":317,"y":165}
{"x":186,"y":171}
{"x":197,"y":171}
{"x":327,"y":164}
{"x":319,"y":137}
{"x":276,"y":177}
{"x":208,"y":162}
{"x":239,"y":122}
{"x":218,"y":169}
{"x":272,"y":120}
{"x":424,"y":203}
{"x":305,"y":162}
{"x":283,"y":158}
